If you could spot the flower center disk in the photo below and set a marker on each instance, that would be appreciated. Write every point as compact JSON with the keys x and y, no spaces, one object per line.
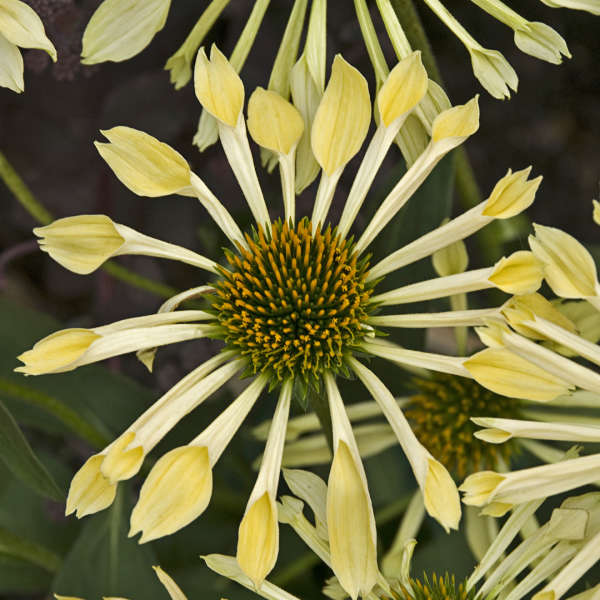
{"x":294,"y":302}
{"x":440,"y":415}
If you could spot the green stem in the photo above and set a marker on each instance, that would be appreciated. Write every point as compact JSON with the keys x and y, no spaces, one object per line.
{"x":114,"y":535}
{"x":28,"y":201}
{"x":466,"y":184}
{"x":66,"y":415}
{"x":23,"y":194}
{"x":139,"y":281}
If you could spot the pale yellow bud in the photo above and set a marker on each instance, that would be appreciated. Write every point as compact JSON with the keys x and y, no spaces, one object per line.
{"x":81,"y":243}
{"x":172,"y":588}
{"x":493,"y":72}
{"x":177,"y":491}
{"x":527,"y":307}
{"x":569,"y":268}
{"x":512,"y":195}
{"x":218,"y":86}
{"x":350,"y":525}
{"x":142,"y":163}
{"x":457,"y":122}
{"x":596,"y":213}
{"x":273,"y":122}
{"x":21,"y":26}
{"x":342,"y":119}
{"x":120,"y":29}
{"x":520,"y":273}
{"x":506,"y":373}
{"x":90,"y":491}
{"x":441,"y":496}
{"x":403,"y":89}
{"x":480,"y":486}
{"x":541,"y":41}
{"x":122,"y":461}
{"x":57,"y":351}
{"x":258,"y":539}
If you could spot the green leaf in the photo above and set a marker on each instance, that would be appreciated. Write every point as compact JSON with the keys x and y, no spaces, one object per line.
{"x":104,"y":562}
{"x":17,"y":547}
{"x":18,"y":456}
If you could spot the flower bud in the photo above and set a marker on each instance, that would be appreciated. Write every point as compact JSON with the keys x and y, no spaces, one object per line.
{"x":493,"y":72}
{"x":512,"y":194}
{"x":81,"y":243}
{"x":120,"y":29}
{"x":123,"y":460}
{"x":218,"y":87}
{"x":569,"y":268}
{"x":273,"y":122}
{"x":177,"y":491}
{"x":403,"y":89}
{"x":90,"y":491}
{"x":456,"y":124}
{"x":143,"y":164}
{"x":520,"y":273}
{"x":342,"y":119}
{"x":541,"y":41}
{"x":57,"y":352}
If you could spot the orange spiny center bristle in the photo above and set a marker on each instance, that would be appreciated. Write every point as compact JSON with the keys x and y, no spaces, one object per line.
{"x":293,"y":301}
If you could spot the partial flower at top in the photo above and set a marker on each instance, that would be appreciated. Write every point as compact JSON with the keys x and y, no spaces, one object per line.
{"x":108,"y":36}
{"x":20,"y":27}
{"x":292,"y":301}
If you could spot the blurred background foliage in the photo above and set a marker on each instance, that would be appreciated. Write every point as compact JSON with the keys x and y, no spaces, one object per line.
{"x":46,"y":134}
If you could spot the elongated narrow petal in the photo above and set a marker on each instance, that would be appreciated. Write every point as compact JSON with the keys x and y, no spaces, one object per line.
{"x":353,"y":554}
{"x":273,"y":122}
{"x":451,"y":260}
{"x":84,"y":242}
{"x":502,"y":430}
{"x":90,"y":491}
{"x":439,"y":490}
{"x":71,"y":348}
{"x":534,"y":483}
{"x":120,"y":29}
{"x":258,"y":537}
{"x":569,"y":268}
{"x":11,"y":66}
{"x":228,"y":567}
{"x":145,"y":165}
{"x":541,"y":41}
{"x":403,"y":89}
{"x":177,"y":491}
{"x":218,"y":87}
{"x":353,"y":549}
{"x":506,"y":373}
{"x":342,"y":119}
{"x":172,"y":588}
